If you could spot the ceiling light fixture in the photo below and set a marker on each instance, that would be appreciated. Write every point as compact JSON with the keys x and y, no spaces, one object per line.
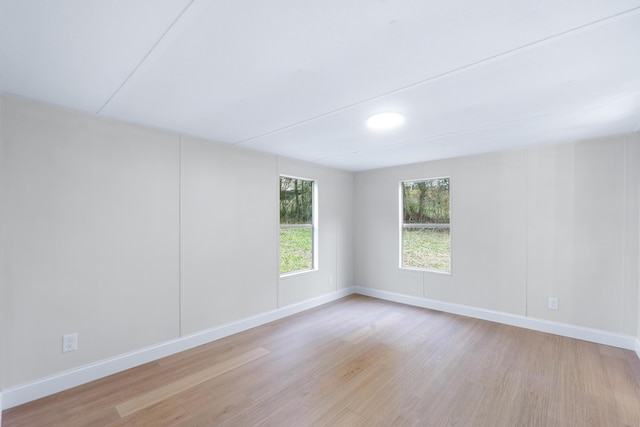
{"x":386,"y":120}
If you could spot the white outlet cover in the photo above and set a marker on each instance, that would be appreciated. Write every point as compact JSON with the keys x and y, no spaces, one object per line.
{"x":553,"y":303}
{"x":69,"y":342}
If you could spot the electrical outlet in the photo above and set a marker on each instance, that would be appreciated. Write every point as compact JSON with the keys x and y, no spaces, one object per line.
{"x":553,"y":303}
{"x":69,"y":342}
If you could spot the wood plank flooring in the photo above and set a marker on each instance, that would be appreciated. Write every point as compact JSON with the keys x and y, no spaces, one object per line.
{"x":363,"y":362}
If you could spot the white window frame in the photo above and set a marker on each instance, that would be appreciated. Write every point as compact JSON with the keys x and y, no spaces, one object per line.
{"x":313,"y":226}
{"x":401,"y":227}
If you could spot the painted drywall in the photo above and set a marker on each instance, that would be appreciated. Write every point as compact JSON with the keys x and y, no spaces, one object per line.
{"x":345,"y":210}
{"x":580,"y":245}
{"x":631,"y":274}
{"x":2,"y":257}
{"x":91,"y":232}
{"x":634,"y":151}
{"x":229,"y":245}
{"x":132,"y":236}
{"x":526,"y":225}
{"x":631,"y":309}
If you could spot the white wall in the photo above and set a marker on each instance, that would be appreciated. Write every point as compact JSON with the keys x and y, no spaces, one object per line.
{"x":133,"y":236}
{"x":229,"y":218}
{"x":557,"y":220}
{"x":582,"y":221}
{"x":634,"y":148}
{"x":91,"y":238}
{"x":2,"y":256}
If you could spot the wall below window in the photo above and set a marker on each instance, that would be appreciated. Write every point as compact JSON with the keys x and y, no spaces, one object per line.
{"x":553,"y":221}
{"x":133,"y":237}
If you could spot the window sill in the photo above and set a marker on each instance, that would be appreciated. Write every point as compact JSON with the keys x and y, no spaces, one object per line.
{"x":297,"y":273}
{"x":426,"y":270}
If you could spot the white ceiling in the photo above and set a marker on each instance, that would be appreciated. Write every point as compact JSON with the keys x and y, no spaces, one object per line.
{"x":299,"y":78}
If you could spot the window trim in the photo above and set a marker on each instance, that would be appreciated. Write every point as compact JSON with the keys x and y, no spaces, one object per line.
{"x":401,"y":227}
{"x":313,"y":226}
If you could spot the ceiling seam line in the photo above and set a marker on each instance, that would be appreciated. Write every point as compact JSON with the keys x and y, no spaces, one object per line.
{"x":144,"y":58}
{"x":443,"y":74}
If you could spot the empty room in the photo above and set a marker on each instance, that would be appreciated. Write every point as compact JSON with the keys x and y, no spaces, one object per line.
{"x":329,"y":213}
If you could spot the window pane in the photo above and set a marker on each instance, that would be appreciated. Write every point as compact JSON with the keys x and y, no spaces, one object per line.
{"x":428,"y":248}
{"x":426,"y":237}
{"x":426,"y":202}
{"x":296,"y":225}
{"x":296,"y":201}
{"x":296,"y":249}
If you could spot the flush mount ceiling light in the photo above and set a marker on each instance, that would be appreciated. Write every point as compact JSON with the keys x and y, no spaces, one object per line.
{"x":386,"y":120}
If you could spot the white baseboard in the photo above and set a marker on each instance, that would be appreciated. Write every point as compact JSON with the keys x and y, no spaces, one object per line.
{"x":566,"y":330}
{"x":15,"y":396}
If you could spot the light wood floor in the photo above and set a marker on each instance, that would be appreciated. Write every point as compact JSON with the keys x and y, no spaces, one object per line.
{"x":363,"y":362}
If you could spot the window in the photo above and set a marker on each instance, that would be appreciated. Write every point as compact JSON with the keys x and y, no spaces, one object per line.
{"x":297,"y":231}
{"x":426,"y":233}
